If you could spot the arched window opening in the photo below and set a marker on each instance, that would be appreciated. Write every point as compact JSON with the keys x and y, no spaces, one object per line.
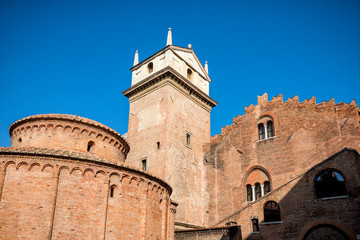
{"x":270,"y":129}
{"x":261,"y":131}
{"x":112,"y":191}
{"x":20,"y":140}
{"x":257,"y":190}
{"x":249,"y":193}
{"x":90,"y":146}
{"x":330,"y":184}
{"x":271,"y":212}
{"x":267,"y":187}
{"x":189,"y":74}
{"x":255,"y":224}
{"x":150,"y":67}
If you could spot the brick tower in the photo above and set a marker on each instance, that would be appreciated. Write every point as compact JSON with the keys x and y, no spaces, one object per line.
{"x":169,"y":122}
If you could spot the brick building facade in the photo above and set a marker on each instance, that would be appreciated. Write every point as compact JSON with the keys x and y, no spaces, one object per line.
{"x":283,"y":170}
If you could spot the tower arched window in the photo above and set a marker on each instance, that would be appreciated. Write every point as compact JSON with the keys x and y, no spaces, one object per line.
{"x":150,"y":67}
{"x":270,"y":129}
{"x":271,"y":212}
{"x":265,"y":126}
{"x":261,"y":131}
{"x":249,"y":193}
{"x":257,"y":191}
{"x":330,"y":183}
{"x":267,"y":187}
{"x":189,"y":74}
{"x":90,"y":146}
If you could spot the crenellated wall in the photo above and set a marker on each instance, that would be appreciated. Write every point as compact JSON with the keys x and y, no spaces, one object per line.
{"x":60,"y":196}
{"x":304,"y":134}
{"x":69,"y":132}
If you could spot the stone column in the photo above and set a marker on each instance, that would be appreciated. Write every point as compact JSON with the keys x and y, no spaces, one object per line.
{"x":266,"y":131}
{"x":104,"y":208}
{"x":53,"y":192}
{"x":262,"y":189}
{"x":253,"y":193}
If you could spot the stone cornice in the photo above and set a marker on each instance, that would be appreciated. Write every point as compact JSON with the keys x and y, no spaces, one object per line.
{"x":170,"y":76}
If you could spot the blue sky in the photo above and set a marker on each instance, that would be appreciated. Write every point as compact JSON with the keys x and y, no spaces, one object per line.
{"x":73,"y":57}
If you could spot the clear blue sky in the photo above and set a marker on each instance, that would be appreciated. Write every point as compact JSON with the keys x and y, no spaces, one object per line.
{"x":73,"y":57}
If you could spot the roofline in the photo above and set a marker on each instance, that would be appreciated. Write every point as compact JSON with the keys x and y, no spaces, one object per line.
{"x":173,"y":72}
{"x":71,"y":118}
{"x":173,"y":47}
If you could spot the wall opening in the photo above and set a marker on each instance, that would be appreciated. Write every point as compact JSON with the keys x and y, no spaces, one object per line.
{"x":143,"y":164}
{"x":90,"y":146}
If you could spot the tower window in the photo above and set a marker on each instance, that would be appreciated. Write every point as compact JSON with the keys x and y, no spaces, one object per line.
{"x":150,"y":67}
{"x":266,"y":127}
{"x":330,"y":184}
{"x":188,"y":140}
{"x":261,"y":131}
{"x":20,"y":140}
{"x":255,"y":224}
{"x":267,"y":187}
{"x":189,"y":74}
{"x":249,"y":193}
{"x":158,"y":145}
{"x":257,"y":190}
{"x":90,"y":146}
{"x":270,"y":129}
{"x":271,"y":212}
{"x":143,"y":164}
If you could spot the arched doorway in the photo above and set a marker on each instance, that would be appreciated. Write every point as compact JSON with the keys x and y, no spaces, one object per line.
{"x":325,"y":232}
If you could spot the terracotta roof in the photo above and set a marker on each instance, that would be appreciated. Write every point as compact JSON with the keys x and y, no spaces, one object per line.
{"x":68,"y":117}
{"x":49,"y":152}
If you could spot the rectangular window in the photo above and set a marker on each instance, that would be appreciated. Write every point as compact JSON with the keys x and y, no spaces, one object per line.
{"x":255,"y":224}
{"x":143,"y":164}
{"x":188,"y":140}
{"x":158,"y":145}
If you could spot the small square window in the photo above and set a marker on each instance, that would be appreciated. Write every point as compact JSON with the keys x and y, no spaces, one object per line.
{"x":188,"y":140}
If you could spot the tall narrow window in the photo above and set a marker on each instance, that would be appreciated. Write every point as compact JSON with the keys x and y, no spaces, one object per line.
{"x":150,"y":67}
{"x":249,"y":193}
{"x":189,"y":74}
{"x":188,"y":140}
{"x":257,"y":191}
{"x":330,"y":184}
{"x":90,"y":146}
{"x":271,"y":212}
{"x":267,"y":187}
{"x":112,"y":191}
{"x":143,"y":164}
{"x":270,"y":129}
{"x":261,"y":131}
{"x":255,"y":224}
{"x":158,"y":145}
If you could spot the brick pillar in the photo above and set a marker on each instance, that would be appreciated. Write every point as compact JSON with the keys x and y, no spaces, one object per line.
{"x":2,"y":179}
{"x":104,"y":208}
{"x":143,"y":220}
{"x":164,"y":217}
{"x":54,"y":190}
{"x":171,"y":223}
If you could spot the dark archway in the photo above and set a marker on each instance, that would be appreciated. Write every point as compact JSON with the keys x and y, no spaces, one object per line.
{"x":325,"y":232}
